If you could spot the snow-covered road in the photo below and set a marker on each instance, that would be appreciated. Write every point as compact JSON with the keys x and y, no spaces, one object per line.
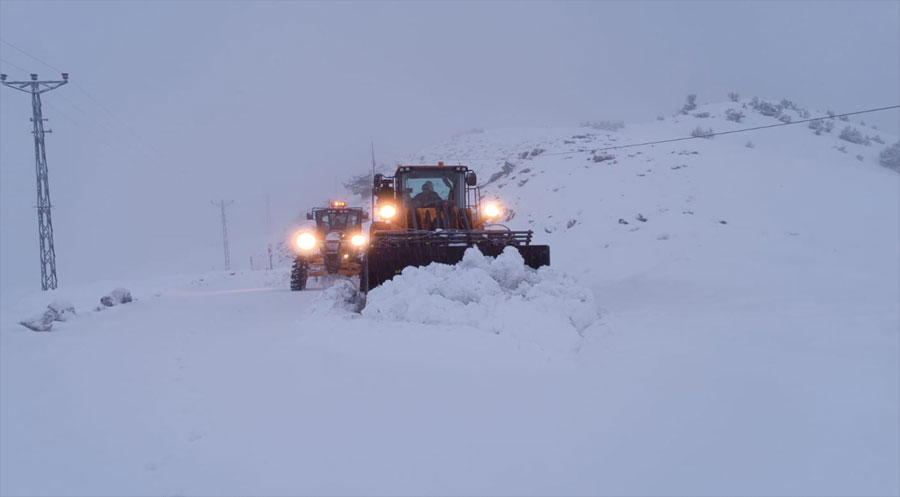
{"x":228,"y":386}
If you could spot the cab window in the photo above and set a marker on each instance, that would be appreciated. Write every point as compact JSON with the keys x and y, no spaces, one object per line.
{"x":448,"y":185}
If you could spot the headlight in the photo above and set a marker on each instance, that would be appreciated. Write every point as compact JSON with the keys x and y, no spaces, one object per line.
{"x":387,"y":211}
{"x":305,"y":241}
{"x":492,"y":210}
{"x":357,"y":240}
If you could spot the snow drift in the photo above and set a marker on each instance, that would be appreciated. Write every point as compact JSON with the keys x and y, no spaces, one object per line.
{"x":500,"y":295}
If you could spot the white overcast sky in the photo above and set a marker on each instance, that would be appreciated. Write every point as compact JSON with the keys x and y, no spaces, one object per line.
{"x":178,"y":103}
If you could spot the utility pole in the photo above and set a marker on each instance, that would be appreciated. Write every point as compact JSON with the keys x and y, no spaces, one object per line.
{"x":269,"y":227}
{"x":373,"y":182}
{"x":222,"y":205}
{"x":45,"y":223}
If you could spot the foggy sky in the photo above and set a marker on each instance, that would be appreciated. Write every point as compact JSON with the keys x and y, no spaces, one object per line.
{"x":181,"y":103}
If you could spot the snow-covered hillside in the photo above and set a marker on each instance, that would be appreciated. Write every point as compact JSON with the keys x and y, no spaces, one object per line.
{"x":719,"y":319}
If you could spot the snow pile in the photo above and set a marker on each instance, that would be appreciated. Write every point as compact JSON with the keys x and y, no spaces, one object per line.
{"x":501,"y":295}
{"x":341,"y":297}
{"x":58,"y":310}
{"x":116,"y":297}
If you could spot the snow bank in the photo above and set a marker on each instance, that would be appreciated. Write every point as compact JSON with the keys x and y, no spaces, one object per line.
{"x":501,"y":295}
{"x":58,"y":310}
{"x":339,"y":298}
{"x":116,"y":297}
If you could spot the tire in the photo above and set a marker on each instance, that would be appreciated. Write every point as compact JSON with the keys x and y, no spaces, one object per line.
{"x":364,"y":276}
{"x":299,"y":274}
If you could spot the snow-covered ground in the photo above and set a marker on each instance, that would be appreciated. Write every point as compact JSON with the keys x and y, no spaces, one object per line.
{"x":740,"y":335}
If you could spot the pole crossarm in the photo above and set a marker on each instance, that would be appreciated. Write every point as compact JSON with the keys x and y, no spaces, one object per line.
{"x":34,"y":85}
{"x":29,"y":86}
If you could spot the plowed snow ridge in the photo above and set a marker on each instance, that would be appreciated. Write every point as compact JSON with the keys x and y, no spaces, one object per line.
{"x":500,"y":295}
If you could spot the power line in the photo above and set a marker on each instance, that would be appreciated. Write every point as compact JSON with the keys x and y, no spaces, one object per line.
{"x":23,"y":52}
{"x":14,"y":65}
{"x":709,"y":135}
{"x":139,"y":140}
{"x":97,"y":133}
{"x":70,"y":118}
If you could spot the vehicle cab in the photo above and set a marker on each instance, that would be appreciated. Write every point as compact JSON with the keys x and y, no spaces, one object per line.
{"x":430,"y":197}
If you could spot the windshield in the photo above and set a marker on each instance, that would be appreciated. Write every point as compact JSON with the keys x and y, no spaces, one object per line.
{"x":337,"y":220}
{"x":426,"y":188}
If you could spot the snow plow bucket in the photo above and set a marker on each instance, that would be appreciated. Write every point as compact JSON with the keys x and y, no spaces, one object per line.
{"x":390,"y":252}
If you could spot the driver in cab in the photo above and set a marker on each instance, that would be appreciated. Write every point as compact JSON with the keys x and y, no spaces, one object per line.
{"x":428,"y":197}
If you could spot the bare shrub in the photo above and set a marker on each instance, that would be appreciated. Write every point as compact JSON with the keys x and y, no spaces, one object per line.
{"x":890,"y":157}
{"x":765,"y":108}
{"x":734,"y":115}
{"x":604,"y":125}
{"x":699,"y":132}
{"x":690,"y":104}
{"x":853,"y":135}
{"x":817,"y":126}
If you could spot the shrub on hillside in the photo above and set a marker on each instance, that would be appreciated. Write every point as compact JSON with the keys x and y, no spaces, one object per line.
{"x":765,"y":108}
{"x":604,"y":125}
{"x":821,"y":125}
{"x":817,"y":126}
{"x":734,"y":115}
{"x":360,"y":185}
{"x":690,"y":104}
{"x":702,"y":114}
{"x":890,"y":157}
{"x":853,"y":135}
{"x":699,"y":132}
{"x":602,"y":157}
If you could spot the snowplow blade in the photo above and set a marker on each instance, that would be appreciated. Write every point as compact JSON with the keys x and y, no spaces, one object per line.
{"x":382,"y":263}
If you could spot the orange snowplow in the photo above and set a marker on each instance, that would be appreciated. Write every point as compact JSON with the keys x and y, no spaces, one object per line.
{"x":433,"y":213}
{"x":334,"y":247}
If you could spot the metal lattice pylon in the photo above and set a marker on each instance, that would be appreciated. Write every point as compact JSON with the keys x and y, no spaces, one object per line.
{"x":222,"y":205}
{"x":45,"y":222}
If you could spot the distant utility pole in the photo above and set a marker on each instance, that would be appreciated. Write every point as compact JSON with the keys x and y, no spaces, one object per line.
{"x":373,"y":179}
{"x":45,"y":223}
{"x":222,"y":205}
{"x":269,"y":227}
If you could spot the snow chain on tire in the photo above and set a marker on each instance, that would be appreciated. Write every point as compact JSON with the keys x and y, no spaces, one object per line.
{"x":299,"y":274}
